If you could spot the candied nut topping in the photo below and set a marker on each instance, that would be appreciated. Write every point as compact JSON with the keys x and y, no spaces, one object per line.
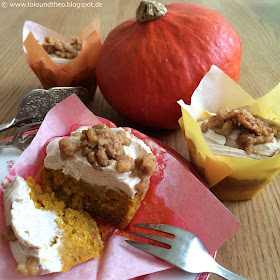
{"x":61,"y":48}
{"x":30,"y":268}
{"x":253,"y":129}
{"x":144,"y":168}
{"x":100,"y":144}
{"x":8,"y":234}
{"x":67,"y":148}
{"x":204,"y":127}
{"x":126,"y":141}
{"x":125,"y":164}
{"x":149,"y":164}
{"x":102,"y":158}
{"x":145,"y":165}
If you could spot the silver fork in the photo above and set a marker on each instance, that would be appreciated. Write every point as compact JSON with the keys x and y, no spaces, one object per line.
{"x":187,"y":251}
{"x":22,"y":138}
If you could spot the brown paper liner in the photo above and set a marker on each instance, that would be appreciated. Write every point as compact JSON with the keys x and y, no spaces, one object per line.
{"x":79,"y":72}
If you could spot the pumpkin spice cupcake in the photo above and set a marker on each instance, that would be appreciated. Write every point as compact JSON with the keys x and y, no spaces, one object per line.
{"x":105,"y":171}
{"x":233,"y":140}
{"x":96,"y":170}
{"x":61,"y":62}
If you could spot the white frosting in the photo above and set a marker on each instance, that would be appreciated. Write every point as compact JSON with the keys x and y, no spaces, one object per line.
{"x":226,"y":146}
{"x":37,"y":233}
{"x":80,"y":169}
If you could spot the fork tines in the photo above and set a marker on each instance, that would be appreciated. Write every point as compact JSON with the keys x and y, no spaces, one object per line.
{"x":161,"y":239}
{"x":152,"y":249}
{"x":172,"y":230}
{"x":159,"y":227}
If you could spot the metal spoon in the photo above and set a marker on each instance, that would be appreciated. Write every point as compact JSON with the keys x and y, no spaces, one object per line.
{"x":36,"y":104}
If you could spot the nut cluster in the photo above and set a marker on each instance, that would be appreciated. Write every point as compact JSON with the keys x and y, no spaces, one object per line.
{"x":8,"y":234}
{"x":31,"y":267}
{"x":100,"y":144}
{"x":67,"y":148}
{"x":61,"y":48}
{"x":145,"y":165}
{"x":254,"y":129}
{"x":144,"y":168}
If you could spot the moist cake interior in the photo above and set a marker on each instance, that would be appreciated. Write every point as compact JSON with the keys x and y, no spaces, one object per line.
{"x":81,"y":240}
{"x":113,"y":206}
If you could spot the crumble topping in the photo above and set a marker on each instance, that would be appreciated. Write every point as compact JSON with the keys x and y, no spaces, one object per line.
{"x":145,"y":165}
{"x":61,"y":48}
{"x":8,"y":234}
{"x":125,"y":164}
{"x":254,"y":130}
{"x":67,"y":148}
{"x":102,"y":146}
{"x":30,"y":268}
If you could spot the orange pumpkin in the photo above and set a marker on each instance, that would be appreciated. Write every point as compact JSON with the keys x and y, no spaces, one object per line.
{"x":147,"y":64}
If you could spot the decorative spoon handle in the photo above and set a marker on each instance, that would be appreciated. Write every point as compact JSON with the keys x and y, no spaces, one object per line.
{"x":8,"y":124}
{"x":36,"y":104}
{"x":14,"y":122}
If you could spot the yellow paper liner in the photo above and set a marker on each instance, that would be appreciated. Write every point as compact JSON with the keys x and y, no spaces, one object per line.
{"x":79,"y":72}
{"x":230,"y":178}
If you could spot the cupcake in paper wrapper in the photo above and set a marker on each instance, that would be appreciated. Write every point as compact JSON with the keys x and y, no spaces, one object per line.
{"x":60,"y":62}
{"x":192,"y":207}
{"x":233,"y":172}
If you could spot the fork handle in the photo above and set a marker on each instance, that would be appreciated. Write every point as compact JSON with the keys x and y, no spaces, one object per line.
{"x":226,"y":274}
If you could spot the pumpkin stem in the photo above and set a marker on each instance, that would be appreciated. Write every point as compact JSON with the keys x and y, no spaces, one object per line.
{"x":149,"y":10}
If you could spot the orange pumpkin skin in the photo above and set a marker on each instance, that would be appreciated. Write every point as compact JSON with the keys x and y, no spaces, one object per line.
{"x":144,"y":69}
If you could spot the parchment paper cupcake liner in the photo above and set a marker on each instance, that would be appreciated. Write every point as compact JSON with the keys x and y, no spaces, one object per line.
{"x":230,"y":177}
{"x":79,"y":72}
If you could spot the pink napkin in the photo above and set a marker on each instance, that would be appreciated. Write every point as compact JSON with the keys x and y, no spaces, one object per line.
{"x":175,"y":197}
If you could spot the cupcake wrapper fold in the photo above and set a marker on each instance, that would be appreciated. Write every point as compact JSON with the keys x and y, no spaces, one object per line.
{"x":228,"y":176}
{"x":79,"y":72}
